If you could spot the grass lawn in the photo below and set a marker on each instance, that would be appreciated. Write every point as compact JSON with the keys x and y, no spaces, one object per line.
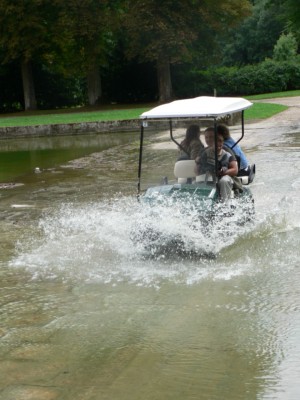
{"x":124,"y":112}
{"x":263,"y":110}
{"x":289,"y":93}
{"x":68,"y":117}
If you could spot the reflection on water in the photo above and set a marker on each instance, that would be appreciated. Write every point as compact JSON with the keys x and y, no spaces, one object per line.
{"x":85,"y":313}
{"x":22,"y":156}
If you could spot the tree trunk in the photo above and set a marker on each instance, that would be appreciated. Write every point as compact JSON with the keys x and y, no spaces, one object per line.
{"x":28,"y":86}
{"x":94,"y":86}
{"x":164,"y":79}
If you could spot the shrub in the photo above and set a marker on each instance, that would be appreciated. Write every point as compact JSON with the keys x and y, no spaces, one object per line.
{"x":268,"y":76}
{"x":286,"y":48}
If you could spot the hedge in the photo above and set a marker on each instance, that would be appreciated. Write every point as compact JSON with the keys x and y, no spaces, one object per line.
{"x":268,"y":76}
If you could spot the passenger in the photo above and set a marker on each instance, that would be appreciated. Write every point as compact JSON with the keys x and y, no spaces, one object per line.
{"x":244,"y":166}
{"x":191,"y":146}
{"x":227,"y":166}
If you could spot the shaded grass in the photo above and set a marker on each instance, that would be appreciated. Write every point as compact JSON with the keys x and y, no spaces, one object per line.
{"x":71,"y":117}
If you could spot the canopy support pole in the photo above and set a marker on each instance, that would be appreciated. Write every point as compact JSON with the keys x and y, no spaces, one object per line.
{"x":174,"y":140}
{"x":243,"y":131}
{"x":216,"y":157}
{"x":140,"y":160}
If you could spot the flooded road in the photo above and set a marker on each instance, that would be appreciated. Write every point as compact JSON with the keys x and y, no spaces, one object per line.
{"x":86,"y":315}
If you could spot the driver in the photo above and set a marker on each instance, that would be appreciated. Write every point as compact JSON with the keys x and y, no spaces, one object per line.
{"x":227,"y":165}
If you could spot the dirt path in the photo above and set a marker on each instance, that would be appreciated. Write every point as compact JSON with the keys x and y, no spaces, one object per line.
{"x":270,"y":129}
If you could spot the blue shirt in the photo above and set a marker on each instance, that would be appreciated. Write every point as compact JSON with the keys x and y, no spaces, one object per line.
{"x":238,"y":151}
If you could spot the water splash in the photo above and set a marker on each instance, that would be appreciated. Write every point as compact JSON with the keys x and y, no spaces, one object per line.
{"x":94,"y":243}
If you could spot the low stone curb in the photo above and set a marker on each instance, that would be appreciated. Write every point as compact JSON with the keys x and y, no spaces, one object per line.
{"x":69,"y":129}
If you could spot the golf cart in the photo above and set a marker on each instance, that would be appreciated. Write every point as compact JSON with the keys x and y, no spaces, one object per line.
{"x":185,"y":190}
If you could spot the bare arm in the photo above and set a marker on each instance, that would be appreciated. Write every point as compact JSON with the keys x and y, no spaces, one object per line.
{"x":232,"y":169}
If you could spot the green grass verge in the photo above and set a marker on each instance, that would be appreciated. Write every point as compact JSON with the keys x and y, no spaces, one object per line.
{"x":71,"y":117}
{"x":127,"y":112}
{"x":290,"y":93}
{"x":263,"y":110}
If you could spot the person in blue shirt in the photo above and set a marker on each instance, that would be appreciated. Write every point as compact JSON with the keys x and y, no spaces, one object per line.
{"x":244,"y":165}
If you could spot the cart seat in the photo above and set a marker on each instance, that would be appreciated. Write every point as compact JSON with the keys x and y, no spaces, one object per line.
{"x":184,"y":170}
{"x":246,"y":179}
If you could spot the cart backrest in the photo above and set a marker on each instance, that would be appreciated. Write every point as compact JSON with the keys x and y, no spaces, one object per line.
{"x":184,"y":169}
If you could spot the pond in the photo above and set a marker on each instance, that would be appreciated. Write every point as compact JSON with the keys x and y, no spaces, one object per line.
{"x":86,"y":315}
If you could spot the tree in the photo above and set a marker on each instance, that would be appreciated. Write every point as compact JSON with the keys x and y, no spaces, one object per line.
{"x":87,"y":27}
{"x":293,"y":16}
{"x":253,"y":40}
{"x":293,"y":12}
{"x":167,"y":32}
{"x":286,"y":48}
{"x":70,"y":37}
{"x":26,"y":28}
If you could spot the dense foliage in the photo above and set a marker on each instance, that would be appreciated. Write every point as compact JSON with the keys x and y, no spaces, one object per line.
{"x":265,"y":77}
{"x":67,"y":53}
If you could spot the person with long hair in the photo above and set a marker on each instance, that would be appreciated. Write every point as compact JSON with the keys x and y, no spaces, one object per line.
{"x":191,"y":146}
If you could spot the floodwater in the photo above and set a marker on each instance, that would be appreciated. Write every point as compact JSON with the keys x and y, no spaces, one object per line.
{"x":86,"y":314}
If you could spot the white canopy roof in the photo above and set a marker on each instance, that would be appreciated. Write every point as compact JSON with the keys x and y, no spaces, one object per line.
{"x":203,"y":106}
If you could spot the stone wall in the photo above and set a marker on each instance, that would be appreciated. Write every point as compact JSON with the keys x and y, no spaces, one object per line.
{"x":96,"y":127}
{"x":69,"y":129}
